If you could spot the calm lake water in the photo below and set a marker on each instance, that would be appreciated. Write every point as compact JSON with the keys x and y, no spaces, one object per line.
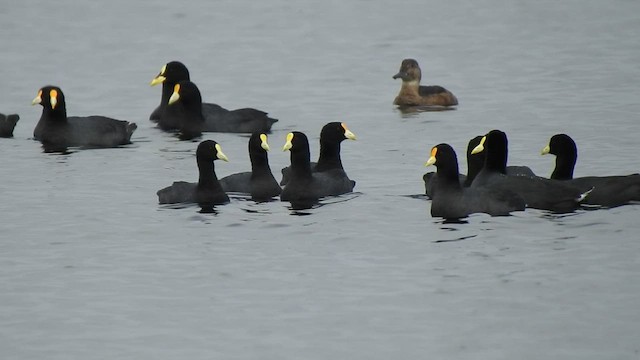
{"x":91,"y":267}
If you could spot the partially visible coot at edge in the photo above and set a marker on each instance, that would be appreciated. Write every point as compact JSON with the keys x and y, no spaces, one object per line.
{"x":217,"y":118}
{"x":7,"y":124}
{"x":207,"y":191}
{"x":538,"y":193}
{"x":608,"y":191}
{"x":453,"y":201}
{"x":259,"y":182}
{"x":331,"y":136}
{"x":57,"y":132}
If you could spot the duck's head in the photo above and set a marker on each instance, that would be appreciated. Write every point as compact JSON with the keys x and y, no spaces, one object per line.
{"x":409,"y":71}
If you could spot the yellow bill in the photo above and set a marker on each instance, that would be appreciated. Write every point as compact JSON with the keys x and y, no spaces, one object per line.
{"x":546,"y":150}
{"x":160,"y":78}
{"x":38,"y":98}
{"x":176,"y":94}
{"x":288,"y":145}
{"x":480,"y":147}
{"x":220,"y":154}
{"x":432,"y":158}
{"x":347,"y":133}
{"x":263,"y":142}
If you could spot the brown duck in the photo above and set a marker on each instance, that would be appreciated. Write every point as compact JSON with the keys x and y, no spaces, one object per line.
{"x":412,"y":94}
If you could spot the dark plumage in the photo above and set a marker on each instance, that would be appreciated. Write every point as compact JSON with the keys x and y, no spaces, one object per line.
{"x":331,"y":136}
{"x":259,"y":182}
{"x":430,"y":182}
{"x":537,"y":192}
{"x":452,"y":201}
{"x":57,"y":132}
{"x":475,"y":162}
{"x":217,"y":118}
{"x":303,"y":184}
{"x":208,"y":190}
{"x":187,"y":102}
{"x":566,"y":152}
{"x":412,"y":94}
{"x":7,"y":124}
{"x":608,"y":191}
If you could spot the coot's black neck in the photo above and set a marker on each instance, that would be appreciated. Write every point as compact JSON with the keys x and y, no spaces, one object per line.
{"x":59,"y":114}
{"x":208,"y":178}
{"x":496,"y":156}
{"x":474,"y":165}
{"x":565,"y":164}
{"x":193,"y":111}
{"x":329,"y":156}
{"x":300,"y":163}
{"x":448,"y":174}
{"x":259,"y":162}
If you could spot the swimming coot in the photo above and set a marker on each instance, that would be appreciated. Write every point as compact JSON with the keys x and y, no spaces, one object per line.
{"x":537,"y":192}
{"x":331,"y":136}
{"x":217,"y":118}
{"x":207,"y":191}
{"x":608,"y":191}
{"x":451,"y":200}
{"x":259,"y":182}
{"x":56,"y":131}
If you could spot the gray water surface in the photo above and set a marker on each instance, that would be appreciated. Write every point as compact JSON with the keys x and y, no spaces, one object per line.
{"x":91,"y":267}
